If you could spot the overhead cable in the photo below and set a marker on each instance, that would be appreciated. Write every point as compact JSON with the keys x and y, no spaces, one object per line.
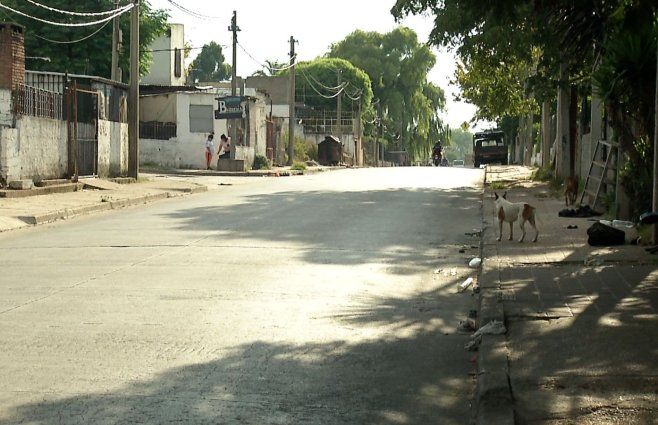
{"x":317,"y":91}
{"x":69,"y":12}
{"x":78,"y":24}
{"x":262,"y":64}
{"x":191,"y":12}
{"x":73,"y":41}
{"x":337,"y":88}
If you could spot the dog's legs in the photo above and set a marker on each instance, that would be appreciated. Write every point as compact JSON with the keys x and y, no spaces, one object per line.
{"x":511,"y":231}
{"x":500,"y":230}
{"x":534,"y":226}
{"x":522,"y":225}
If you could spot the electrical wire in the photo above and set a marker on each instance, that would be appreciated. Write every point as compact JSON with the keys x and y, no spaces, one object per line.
{"x":68,"y":12}
{"x":262,"y":64}
{"x":191,"y":12}
{"x":80,"y":24}
{"x":317,"y":91}
{"x":73,"y":41}
{"x":337,"y":88}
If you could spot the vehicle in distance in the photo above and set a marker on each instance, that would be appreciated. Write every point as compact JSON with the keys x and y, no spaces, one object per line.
{"x":489,"y":147}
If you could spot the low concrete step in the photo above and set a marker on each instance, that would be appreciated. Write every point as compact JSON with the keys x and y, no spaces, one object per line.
{"x":36,"y":191}
{"x":51,"y":182}
{"x":99,"y":184}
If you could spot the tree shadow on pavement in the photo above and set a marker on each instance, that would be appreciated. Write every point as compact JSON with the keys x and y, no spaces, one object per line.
{"x":406,"y":377}
{"x":581,"y":332}
{"x":343,"y":228}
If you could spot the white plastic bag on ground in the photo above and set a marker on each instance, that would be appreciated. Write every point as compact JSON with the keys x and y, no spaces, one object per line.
{"x":494,"y":327}
{"x":475,"y":263}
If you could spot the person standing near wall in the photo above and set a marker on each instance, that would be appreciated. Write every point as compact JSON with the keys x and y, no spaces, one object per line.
{"x":210,"y":148}
{"x":224,"y":147}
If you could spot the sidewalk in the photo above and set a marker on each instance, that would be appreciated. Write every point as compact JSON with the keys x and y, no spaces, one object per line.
{"x":582,"y":322}
{"x":21,"y":212}
{"x":155,"y":184}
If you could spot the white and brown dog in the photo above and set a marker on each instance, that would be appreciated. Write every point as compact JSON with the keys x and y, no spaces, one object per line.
{"x":510,"y":212}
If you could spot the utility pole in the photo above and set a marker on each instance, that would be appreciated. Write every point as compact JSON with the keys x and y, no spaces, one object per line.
{"x":234,"y":78}
{"x":359,"y":145}
{"x":115,"y":45}
{"x":380,"y":129}
{"x":339,"y":104}
{"x":655,"y":157}
{"x":291,"y":106}
{"x":133,"y":94}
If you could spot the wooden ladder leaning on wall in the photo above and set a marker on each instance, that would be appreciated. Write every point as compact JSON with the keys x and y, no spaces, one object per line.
{"x":604,"y":166}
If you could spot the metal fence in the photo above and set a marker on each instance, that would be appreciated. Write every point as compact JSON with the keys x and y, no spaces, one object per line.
{"x":157,"y":130}
{"x":38,"y":103}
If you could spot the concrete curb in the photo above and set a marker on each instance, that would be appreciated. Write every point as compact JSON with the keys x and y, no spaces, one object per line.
{"x":493,"y":399}
{"x":106,"y":206}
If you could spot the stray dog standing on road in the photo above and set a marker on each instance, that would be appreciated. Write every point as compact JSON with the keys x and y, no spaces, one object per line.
{"x":510,"y":212}
{"x":570,"y":190}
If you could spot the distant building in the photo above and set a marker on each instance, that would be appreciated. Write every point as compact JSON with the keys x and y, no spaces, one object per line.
{"x":167,"y":68}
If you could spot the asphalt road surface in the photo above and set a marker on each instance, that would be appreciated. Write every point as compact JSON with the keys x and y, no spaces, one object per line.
{"x":321,"y":299}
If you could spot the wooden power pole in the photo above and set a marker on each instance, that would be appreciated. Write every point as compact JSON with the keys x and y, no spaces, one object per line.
{"x":291,"y":106}
{"x":234,"y":79}
{"x":133,"y":95}
{"x":114,"y":75}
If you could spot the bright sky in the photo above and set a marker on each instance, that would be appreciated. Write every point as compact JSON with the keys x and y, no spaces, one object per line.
{"x":266,"y":27}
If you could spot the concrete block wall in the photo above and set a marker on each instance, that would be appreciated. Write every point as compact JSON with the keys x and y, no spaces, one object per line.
{"x":104,"y":150}
{"x":118,"y":165}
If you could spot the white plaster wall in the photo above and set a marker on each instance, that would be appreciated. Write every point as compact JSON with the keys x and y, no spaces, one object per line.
{"x":118,"y":148}
{"x":104,"y":151}
{"x":162,"y":68}
{"x":165,"y":153}
{"x":186,"y":150}
{"x":6,"y":117}
{"x":41,"y":147}
{"x":160,"y":108}
{"x":10,"y":165}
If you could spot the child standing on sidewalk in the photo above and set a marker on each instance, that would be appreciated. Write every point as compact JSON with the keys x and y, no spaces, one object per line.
{"x":210,"y":148}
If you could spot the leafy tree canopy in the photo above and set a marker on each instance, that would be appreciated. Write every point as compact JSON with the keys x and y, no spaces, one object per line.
{"x":209,"y":64}
{"x":316,"y":84}
{"x":92,"y":55}
{"x":272,"y":68}
{"x":398,"y":66}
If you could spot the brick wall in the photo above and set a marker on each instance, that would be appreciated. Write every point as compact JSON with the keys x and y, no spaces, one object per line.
{"x":12,"y":56}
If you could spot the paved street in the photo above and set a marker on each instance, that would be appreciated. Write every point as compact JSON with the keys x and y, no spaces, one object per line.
{"x":312,"y":299}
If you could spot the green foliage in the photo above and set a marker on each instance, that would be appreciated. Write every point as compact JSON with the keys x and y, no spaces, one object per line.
{"x":91,"y":56}
{"x":261,"y":163}
{"x":398,"y":64}
{"x":636,"y":178}
{"x":272,"y":68}
{"x":312,"y":76}
{"x":209,"y":64}
{"x":300,"y":166}
{"x":543,"y":174}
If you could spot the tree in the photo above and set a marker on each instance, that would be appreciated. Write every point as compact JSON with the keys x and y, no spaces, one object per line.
{"x":272,"y":68}
{"x":397,"y":65}
{"x":90,"y":55}
{"x":209,"y":64}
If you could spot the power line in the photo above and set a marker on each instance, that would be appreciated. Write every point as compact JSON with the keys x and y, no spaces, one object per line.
{"x":80,"y":24}
{"x":73,"y":41}
{"x":191,"y":12}
{"x":317,"y":91}
{"x":337,"y":88}
{"x":262,"y":64}
{"x":68,"y":12}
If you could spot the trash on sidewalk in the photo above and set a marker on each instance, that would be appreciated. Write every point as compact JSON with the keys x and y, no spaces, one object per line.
{"x":475,"y":263}
{"x":453,"y":272}
{"x":601,"y":234}
{"x":593,"y":261}
{"x":465,"y":284}
{"x":476,"y":233}
{"x":437,"y":271}
{"x":571,"y":226}
{"x":582,"y":211}
{"x":466,"y":326}
{"x":494,"y":327}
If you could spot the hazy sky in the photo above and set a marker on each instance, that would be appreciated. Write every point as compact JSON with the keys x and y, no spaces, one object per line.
{"x":266,"y":27}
